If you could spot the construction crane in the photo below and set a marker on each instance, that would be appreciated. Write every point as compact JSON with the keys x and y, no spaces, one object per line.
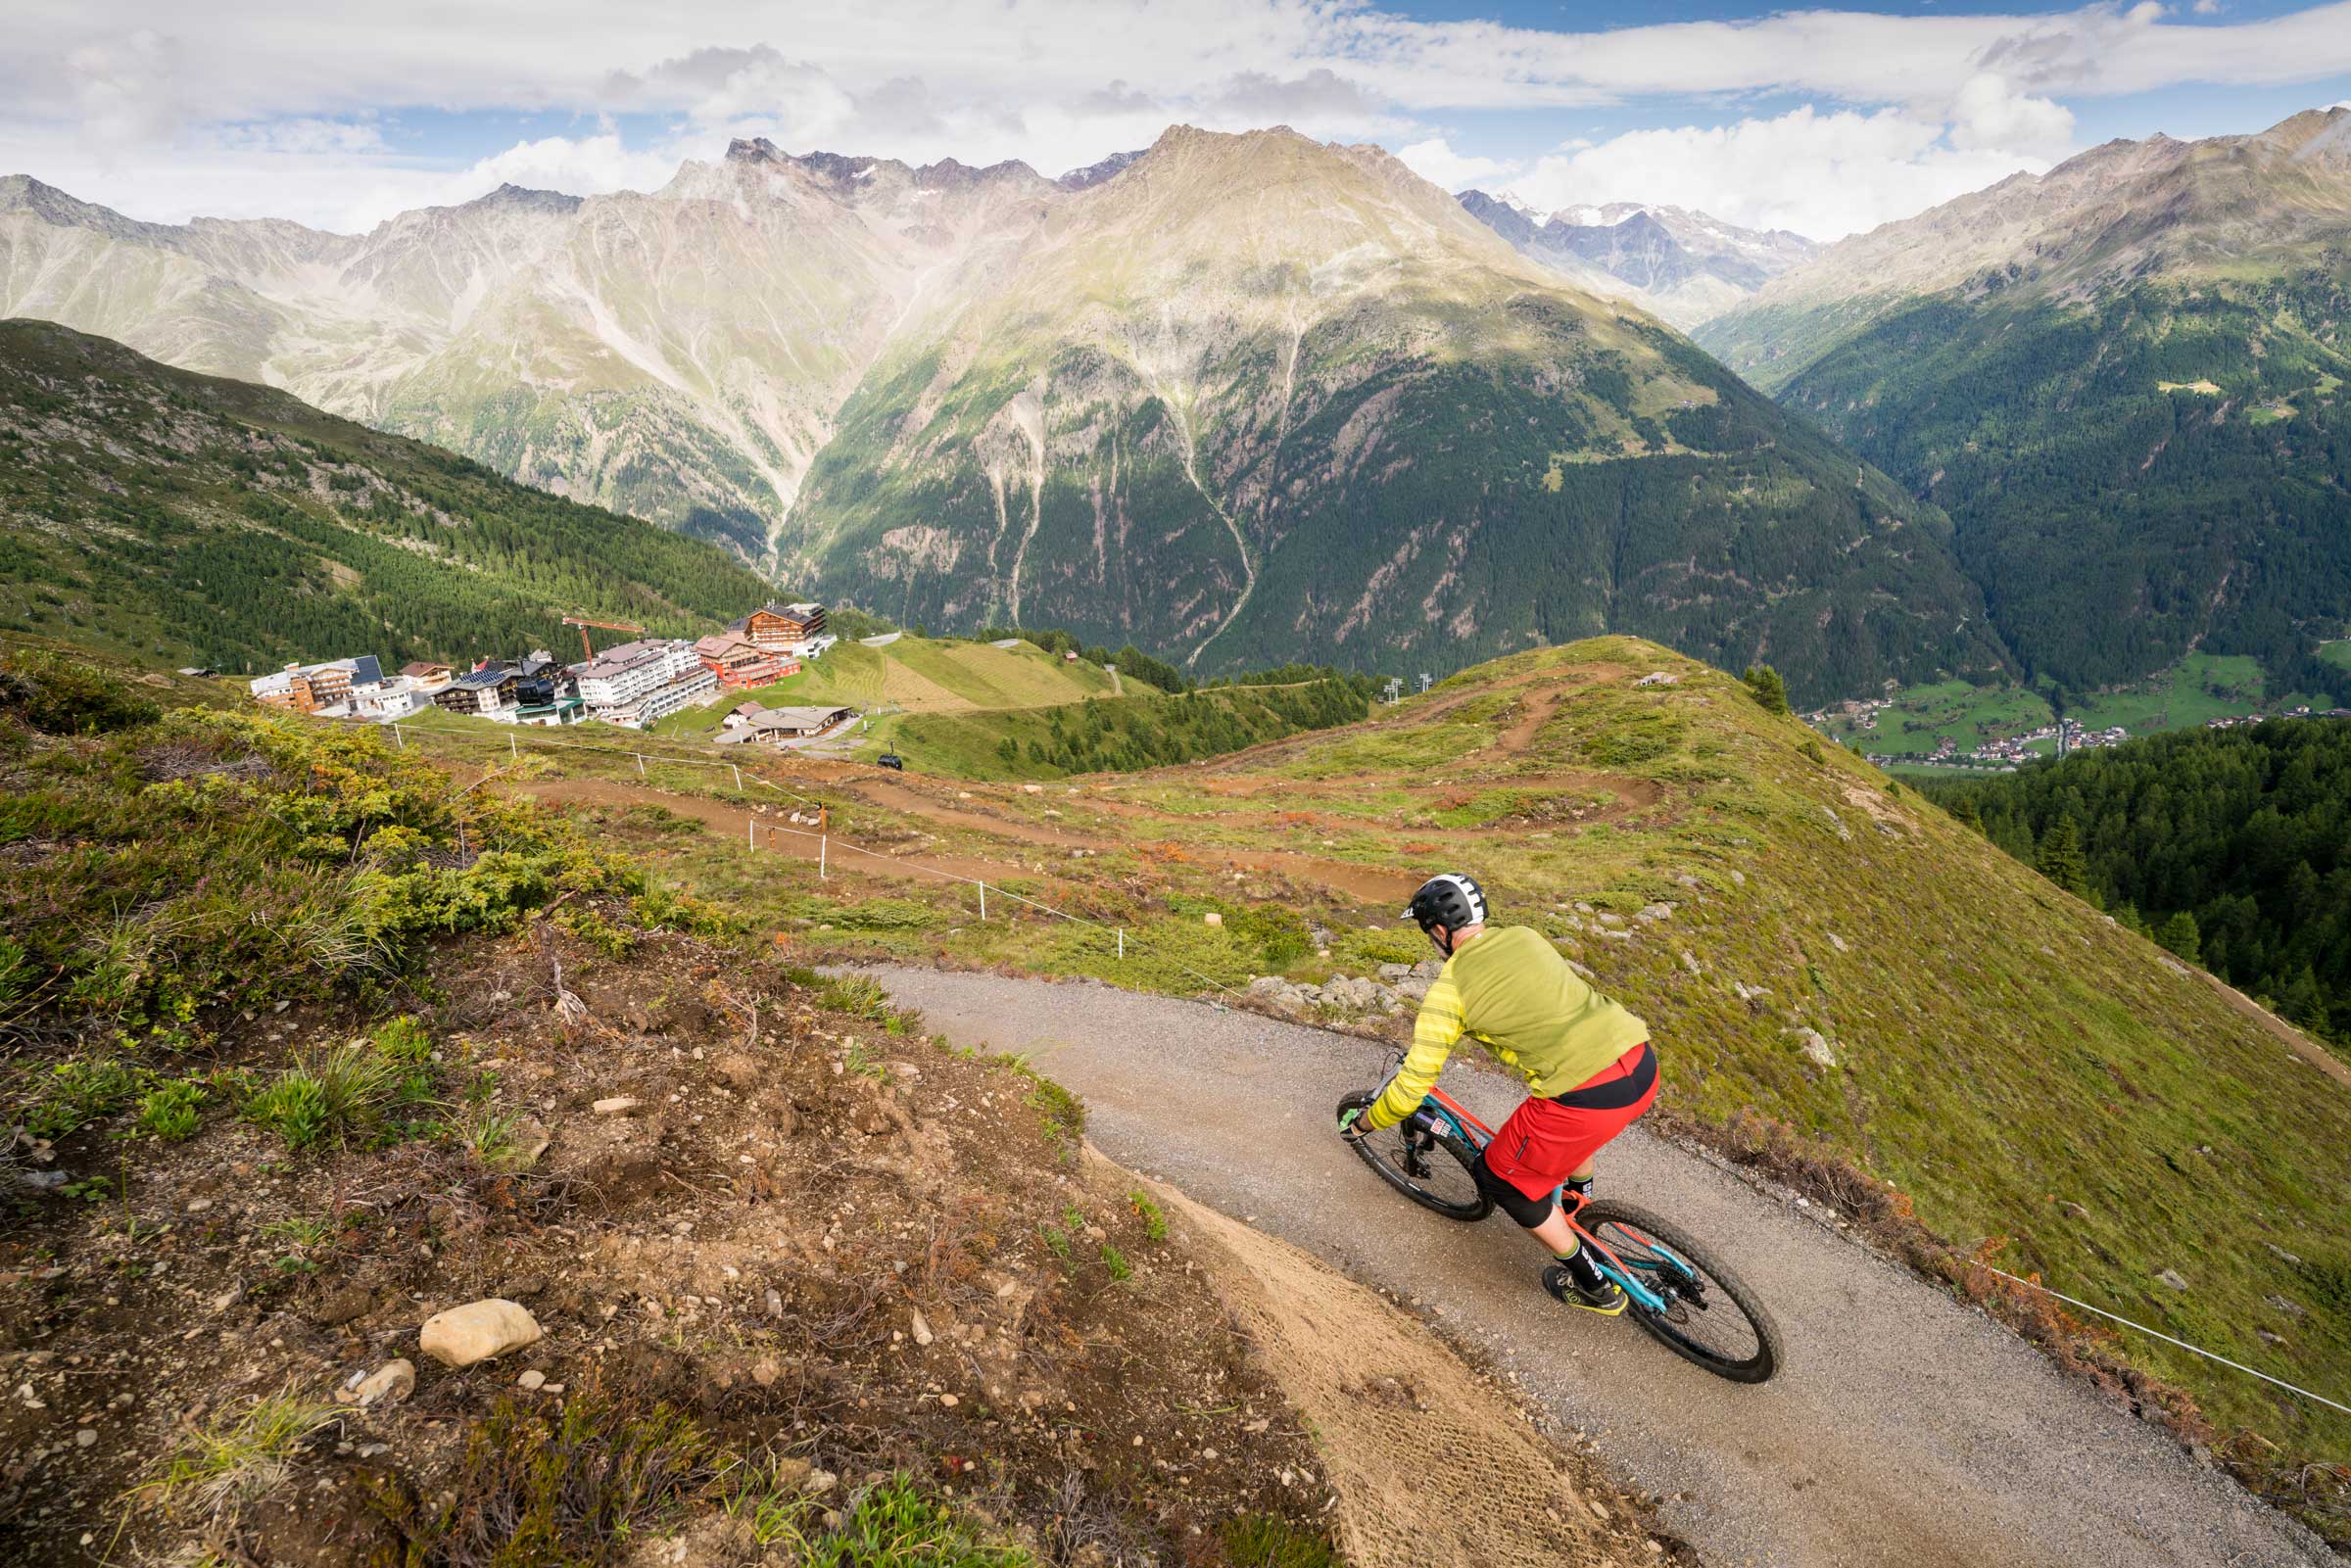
{"x":582,"y":623}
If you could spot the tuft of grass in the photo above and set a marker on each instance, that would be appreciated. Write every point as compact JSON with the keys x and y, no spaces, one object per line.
{"x":1121,"y":1270}
{"x":754,"y":1490}
{"x":1268,"y":1541}
{"x":1155,"y":1223}
{"x":336,"y":1093}
{"x":569,"y":1488}
{"x":488,"y":1133}
{"x":237,"y":1458}
{"x":895,"y":1525}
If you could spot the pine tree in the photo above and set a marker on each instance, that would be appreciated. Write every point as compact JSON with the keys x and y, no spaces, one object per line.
{"x":2178,"y":935}
{"x":1770,"y":692}
{"x":2061,"y":859}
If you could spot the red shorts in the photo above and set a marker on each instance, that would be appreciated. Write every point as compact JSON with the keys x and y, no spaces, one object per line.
{"x":1544,"y":1140}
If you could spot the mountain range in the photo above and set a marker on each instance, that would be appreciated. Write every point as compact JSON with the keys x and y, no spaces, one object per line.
{"x":2122,"y":380}
{"x":1679,"y":265}
{"x":1242,"y":399}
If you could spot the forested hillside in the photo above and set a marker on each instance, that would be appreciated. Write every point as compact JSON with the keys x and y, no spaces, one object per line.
{"x":2232,"y":847}
{"x":2165,"y":470}
{"x":2122,"y":380}
{"x":151,"y":510}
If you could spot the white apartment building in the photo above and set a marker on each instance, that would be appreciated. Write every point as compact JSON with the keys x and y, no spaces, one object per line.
{"x":637,"y":682}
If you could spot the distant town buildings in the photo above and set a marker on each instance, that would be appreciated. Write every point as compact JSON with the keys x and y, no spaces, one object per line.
{"x":751,"y":724}
{"x":638,"y":684}
{"x":796,"y":630}
{"x":635,"y":684}
{"x":313,"y":687}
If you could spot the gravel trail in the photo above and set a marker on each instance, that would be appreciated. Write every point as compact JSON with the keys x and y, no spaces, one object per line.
{"x":1906,"y":1429}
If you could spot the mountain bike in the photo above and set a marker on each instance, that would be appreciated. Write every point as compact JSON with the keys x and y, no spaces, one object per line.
{"x":1679,"y":1294}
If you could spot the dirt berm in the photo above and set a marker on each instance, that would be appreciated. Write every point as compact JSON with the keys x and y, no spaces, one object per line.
{"x":1431,"y":1461}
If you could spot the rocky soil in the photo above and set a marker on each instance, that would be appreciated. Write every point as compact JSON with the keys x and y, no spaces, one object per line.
{"x":748,"y":1227}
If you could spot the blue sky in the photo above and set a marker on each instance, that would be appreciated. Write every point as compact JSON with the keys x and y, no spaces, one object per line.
{"x":1822,"y":120}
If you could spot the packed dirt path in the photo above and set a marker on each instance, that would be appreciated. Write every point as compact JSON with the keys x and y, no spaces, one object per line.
{"x":1905,"y":1430}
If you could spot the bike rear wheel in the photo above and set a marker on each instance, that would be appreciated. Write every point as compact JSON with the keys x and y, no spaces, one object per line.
{"x":1710,"y":1317}
{"x":1431,"y":1169}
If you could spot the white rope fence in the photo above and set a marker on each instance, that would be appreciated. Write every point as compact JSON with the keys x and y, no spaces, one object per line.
{"x":824,"y":838}
{"x":2194,"y":1350}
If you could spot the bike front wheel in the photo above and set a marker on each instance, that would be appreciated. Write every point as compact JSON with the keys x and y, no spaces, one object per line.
{"x":1430,"y":1167}
{"x":1711,"y":1318}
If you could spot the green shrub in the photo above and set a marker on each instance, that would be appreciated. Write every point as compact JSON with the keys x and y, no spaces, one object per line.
{"x":1115,"y":1262}
{"x":333,"y":1095}
{"x":1155,"y":1223}
{"x":75,"y":1094}
{"x":60,"y":697}
{"x":403,"y":1040}
{"x":173,"y":1112}
{"x":895,"y":1526}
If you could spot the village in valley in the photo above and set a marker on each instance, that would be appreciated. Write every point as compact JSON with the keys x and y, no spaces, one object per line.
{"x":2006,"y":753}
{"x":633,"y":684}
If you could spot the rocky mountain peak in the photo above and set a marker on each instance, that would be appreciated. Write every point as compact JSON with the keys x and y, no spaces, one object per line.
{"x":1093,"y":174}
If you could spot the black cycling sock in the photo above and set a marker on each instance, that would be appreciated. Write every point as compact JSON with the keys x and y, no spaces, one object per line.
{"x":1579,"y":1263}
{"x":1582,"y":1189}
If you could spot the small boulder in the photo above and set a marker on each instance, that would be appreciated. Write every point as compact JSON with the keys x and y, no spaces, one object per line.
{"x":619,"y":1105}
{"x":477,"y":1331}
{"x":1212,"y":918}
{"x":738,"y":1070}
{"x":1655,"y":912}
{"x":1816,"y":1047}
{"x":1392,"y":973}
{"x":921,"y":1326}
{"x":2171,"y":1277}
{"x":391,"y":1383}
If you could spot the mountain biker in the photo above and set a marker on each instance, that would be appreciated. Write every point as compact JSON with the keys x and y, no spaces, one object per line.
{"x":1586,"y":1060}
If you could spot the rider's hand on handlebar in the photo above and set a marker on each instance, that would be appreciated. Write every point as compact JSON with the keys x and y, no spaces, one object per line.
{"x":1351,"y":1124}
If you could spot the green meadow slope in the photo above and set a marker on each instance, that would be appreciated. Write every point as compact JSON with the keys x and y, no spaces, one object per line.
{"x":1810,"y":942}
{"x":153,"y":511}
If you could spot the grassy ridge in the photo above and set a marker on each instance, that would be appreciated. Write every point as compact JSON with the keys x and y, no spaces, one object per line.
{"x":2041,"y":1083}
{"x":920,"y":676}
{"x":155,"y":512}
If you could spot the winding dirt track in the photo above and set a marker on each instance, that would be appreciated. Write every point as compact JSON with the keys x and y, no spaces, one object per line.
{"x":1907,"y":1430}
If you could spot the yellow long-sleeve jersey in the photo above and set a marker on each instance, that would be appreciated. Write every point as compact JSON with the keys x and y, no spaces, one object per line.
{"x":1511,"y":991}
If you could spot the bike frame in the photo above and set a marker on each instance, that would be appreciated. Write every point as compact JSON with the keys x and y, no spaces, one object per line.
{"x":1445,"y":1109}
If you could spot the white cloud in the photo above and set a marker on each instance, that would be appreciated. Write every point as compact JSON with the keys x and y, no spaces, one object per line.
{"x":1436,"y":162}
{"x":147,"y":105}
{"x":1823,"y":175}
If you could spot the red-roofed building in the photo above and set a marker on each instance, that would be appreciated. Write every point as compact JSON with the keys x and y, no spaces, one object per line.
{"x":738,"y":662}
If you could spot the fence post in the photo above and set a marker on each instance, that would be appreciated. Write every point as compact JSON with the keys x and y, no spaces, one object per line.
{"x":823,"y":846}
{"x":639,"y":756}
{"x":983,"y":900}
{"x":737,"y":772}
{"x":751,"y":831}
{"x":1121,"y":941}
{"x":513,"y":752}
{"x":397,"y":739}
